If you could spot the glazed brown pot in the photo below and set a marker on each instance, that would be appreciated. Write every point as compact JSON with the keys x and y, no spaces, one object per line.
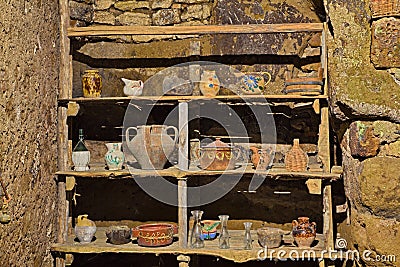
{"x":217,"y":156}
{"x":155,"y":234}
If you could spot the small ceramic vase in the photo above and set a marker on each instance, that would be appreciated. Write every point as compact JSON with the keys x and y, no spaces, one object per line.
{"x":304,"y":232}
{"x":114,"y":156}
{"x":91,"y":84}
{"x":254,"y":83}
{"x":85,"y":229}
{"x":209,"y":83}
{"x":261,"y":158}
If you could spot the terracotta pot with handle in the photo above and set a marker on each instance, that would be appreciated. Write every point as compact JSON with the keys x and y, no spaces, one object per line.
{"x":155,"y":234}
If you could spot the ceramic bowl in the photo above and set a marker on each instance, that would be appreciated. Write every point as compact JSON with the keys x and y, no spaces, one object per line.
{"x":269,"y":237}
{"x":85,"y":233}
{"x":118,"y":235}
{"x":209,"y":229}
{"x":155,"y":234}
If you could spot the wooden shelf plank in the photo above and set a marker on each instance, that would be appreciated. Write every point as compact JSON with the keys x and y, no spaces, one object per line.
{"x":277,"y":173}
{"x":236,"y":253}
{"x":188,"y":98}
{"x":198,"y":29}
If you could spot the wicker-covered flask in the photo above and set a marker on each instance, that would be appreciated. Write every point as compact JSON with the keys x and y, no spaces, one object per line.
{"x":296,"y":160}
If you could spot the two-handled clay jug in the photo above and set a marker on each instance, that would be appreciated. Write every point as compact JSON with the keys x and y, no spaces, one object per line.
{"x":304,"y":231}
{"x":151,"y":144}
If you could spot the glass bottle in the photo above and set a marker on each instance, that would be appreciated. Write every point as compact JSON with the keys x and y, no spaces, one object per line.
{"x":80,"y":146}
{"x":81,"y":155}
{"x":196,"y":240}
{"x":224,"y":235}
{"x":247,"y":236}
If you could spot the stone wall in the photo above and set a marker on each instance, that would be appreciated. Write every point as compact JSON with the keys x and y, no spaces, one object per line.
{"x":366,"y":111}
{"x":29,"y":61}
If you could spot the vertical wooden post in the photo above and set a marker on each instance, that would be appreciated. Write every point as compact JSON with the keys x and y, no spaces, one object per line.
{"x":324,"y":58}
{"x":323,"y":140}
{"x":183,"y":157}
{"x":65,"y":91}
{"x":327,"y":216}
{"x":182,"y":212}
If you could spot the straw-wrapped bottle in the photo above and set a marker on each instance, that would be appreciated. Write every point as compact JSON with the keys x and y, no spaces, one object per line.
{"x":296,"y":160}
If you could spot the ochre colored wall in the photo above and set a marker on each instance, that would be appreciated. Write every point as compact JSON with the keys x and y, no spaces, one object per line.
{"x":29,"y":62}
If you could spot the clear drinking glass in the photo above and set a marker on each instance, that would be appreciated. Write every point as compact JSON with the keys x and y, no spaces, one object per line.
{"x":196,"y":240}
{"x":248,"y":242}
{"x":224,"y":235}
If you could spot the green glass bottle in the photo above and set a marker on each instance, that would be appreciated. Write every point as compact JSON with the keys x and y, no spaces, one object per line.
{"x":80,"y":146}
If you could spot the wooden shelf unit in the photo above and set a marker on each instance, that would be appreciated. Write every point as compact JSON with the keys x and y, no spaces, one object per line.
{"x":236,"y":253}
{"x":66,"y":244}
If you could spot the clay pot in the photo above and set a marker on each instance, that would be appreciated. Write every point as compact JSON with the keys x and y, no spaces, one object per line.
{"x":217,"y":156}
{"x":91,"y":83}
{"x":296,"y":160}
{"x":254,"y":83}
{"x":151,"y":145}
{"x":304,"y":232}
{"x":85,"y":229}
{"x":155,"y":235}
{"x":261,"y":158}
{"x":209,"y":83}
{"x":118,"y":235}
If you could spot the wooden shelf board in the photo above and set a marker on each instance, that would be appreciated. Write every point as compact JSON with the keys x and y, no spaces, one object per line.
{"x":188,"y":98}
{"x":236,"y":253}
{"x":198,"y":29}
{"x":278,"y":173}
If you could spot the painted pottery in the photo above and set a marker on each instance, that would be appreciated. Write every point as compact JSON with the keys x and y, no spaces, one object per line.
{"x":85,"y":229}
{"x":217,"y":156}
{"x":155,"y":235}
{"x":151,"y":145}
{"x":209,"y":83}
{"x":132,"y":87}
{"x":114,"y":157}
{"x":254,"y":83}
{"x":261,"y":158}
{"x":173,"y":85}
{"x":209,"y":229}
{"x":304,"y":232}
{"x":118,"y":235}
{"x":91,"y":83}
{"x":296,"y":160}
{"x":270,"y":237}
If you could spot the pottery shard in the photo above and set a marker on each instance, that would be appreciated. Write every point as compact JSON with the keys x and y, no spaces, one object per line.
{"x":130,"y":18}
{"x":379,"y":184}
{"x":363,"y":142}
{"x":161,"y":4}
{"x":104,"y":17}
{"x":103,"y":4}
{"x":131,"y":5}
{"x":81,"y":11}
{"x":166,"y":17}
{"x":385,"y":47}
